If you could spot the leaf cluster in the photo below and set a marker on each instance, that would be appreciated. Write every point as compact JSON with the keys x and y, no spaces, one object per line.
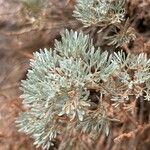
{"x":106,"y":15}
{"x":58,"y":87}
{"x":99,"y":12}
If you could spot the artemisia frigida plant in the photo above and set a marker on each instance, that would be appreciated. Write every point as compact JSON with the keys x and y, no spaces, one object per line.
{"x":70,"y":90}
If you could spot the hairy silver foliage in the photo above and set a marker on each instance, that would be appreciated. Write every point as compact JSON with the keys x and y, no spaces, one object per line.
{"x":99,"y":12}
{"x":95,"y":122}
{"x":133,"y":75}
{"x":107,"y":14}
{"x":57,"y":89}
{"x":57,"y":85}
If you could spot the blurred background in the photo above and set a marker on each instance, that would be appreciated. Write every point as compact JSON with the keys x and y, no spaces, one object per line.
{"x":27,"y":26}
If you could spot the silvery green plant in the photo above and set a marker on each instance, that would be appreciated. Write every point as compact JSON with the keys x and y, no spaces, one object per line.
{"x":107,"y":15}
{"x":71,"y":88}
{"x":57,"y":90}
{"x":99,"y":12}
{"x":57,"y":86}
{"x":131,"y":78}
